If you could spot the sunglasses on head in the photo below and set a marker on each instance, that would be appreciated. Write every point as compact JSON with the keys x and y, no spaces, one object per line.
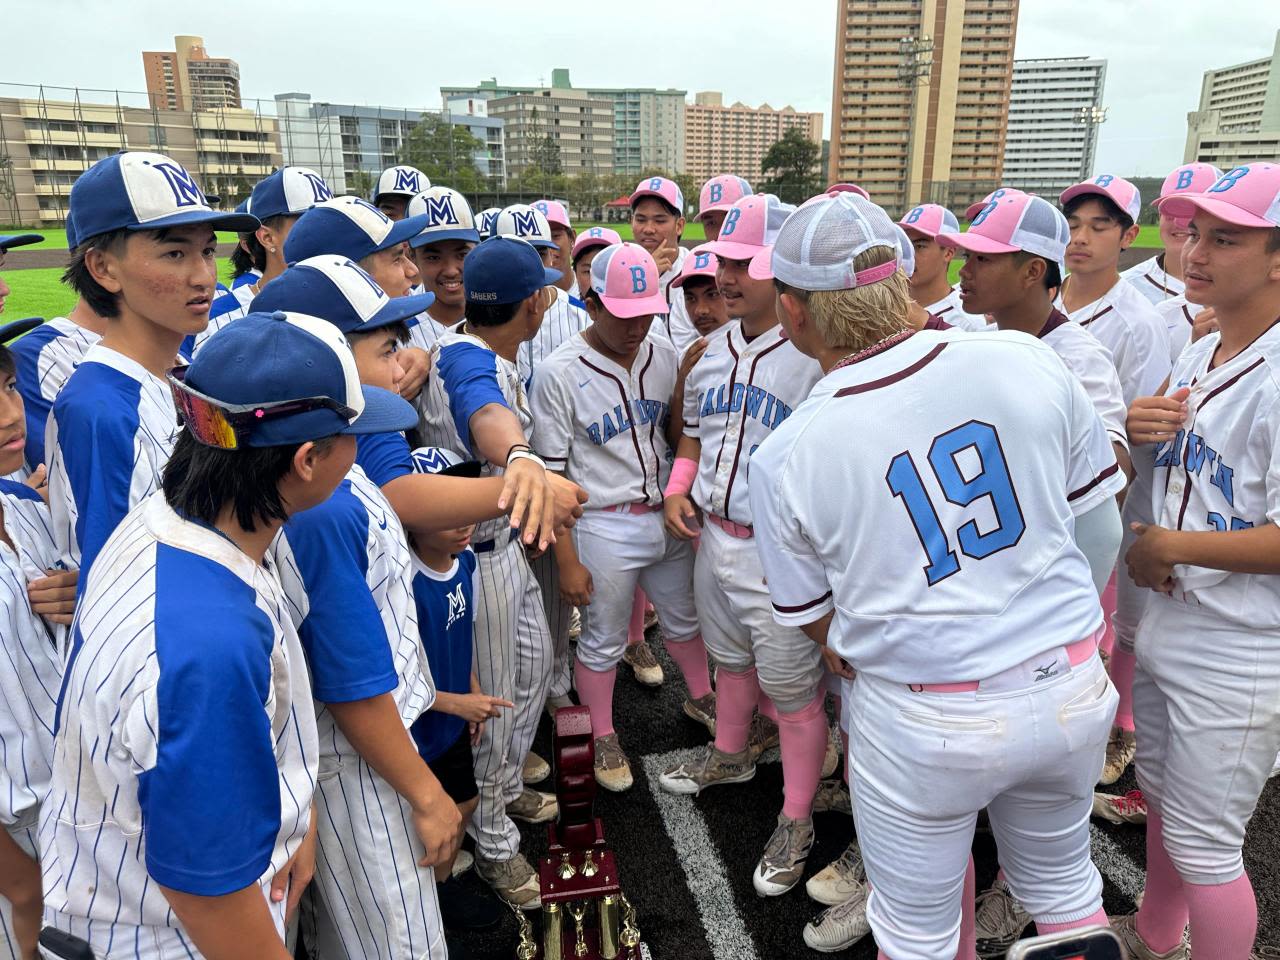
{"x":228,"y":426}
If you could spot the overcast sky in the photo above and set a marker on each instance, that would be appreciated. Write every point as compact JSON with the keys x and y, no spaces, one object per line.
{"x":399,"y":53}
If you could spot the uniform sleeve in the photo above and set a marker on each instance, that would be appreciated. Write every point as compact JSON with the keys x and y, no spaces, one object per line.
{"x":692,"y":399}
{"x":384,"y":456}
{"x":1093,"y":367}
{"x":798,"y":586}
{"x":342,"y":633}
{"x":1269,"y":426}
{"x":552,"y":419}
{"x":679,"y":328}
{"x":200,"y":737}
{"x":470,"y":381}
{"x":36,"y":406}
{"x":1092,"y":471}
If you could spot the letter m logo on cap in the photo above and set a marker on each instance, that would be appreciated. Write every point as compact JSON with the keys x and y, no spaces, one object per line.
{"x":440,"y":210}
{"x":319,"y":189}
{"x":185,"y":191}
{"x":525,"y":223}
{"x":406,"y":180}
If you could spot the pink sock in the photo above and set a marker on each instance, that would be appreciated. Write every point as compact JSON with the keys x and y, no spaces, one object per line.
{"x":768,"y":708}
{"x":691,"y":657}
{"x":1224,"y":914}
{"x":1122,"y":664}
{"x":595,"y":690}
{"x":736,"y":697}
{"x":1095,"y":919}
{"x":803,"y":738}
{"x":635,"y":629}
{"x":1108,"y":641}
{"x":968,"y":921}
{"x":1163,"y":914}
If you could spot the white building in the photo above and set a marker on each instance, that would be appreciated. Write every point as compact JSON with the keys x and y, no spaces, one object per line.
{"x":1054,"y":110}
{"x":1238,"y":120}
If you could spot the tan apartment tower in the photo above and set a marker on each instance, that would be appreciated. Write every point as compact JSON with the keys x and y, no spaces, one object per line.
{"x":187,"y":78}
{"x":947,"y":124}
{"x":734,"y":139}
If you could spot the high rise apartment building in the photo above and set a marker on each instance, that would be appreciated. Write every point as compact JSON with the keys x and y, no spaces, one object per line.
{"x":580,"y":126}
{"x":735,"y":139}
{"x":1238,"y":119}
{"x":187,"y":78}
{"x":1054,"y":112}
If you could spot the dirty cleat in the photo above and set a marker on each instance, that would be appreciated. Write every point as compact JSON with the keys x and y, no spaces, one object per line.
{"x":841,"y":926}
{"x":703,"y":710}
{"x":839,"y":880}
{"x":708,"y":770}
{"x":613,"y":772}
{"x":514,"y":880}
{"x":782,"y":863}
{"x":831,"y":759}
{"x":1129,"y":808}
{"x":999,"y":920}
{"x":762,"y":736}
{"x":1136,"y":948}
{"x":650,"y":617}
{"x":535,"y":769}
{"x":575,"y":624}
{"x":639,"y":657}
{"x":463,"y":862}
{"x":832,"y":796}
{"x":533,"y":806}
{"x":557,"y":702}
{"x":1120,"y":752}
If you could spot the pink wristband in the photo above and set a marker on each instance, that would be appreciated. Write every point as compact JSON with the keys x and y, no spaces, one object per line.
{"x":683,"y":472}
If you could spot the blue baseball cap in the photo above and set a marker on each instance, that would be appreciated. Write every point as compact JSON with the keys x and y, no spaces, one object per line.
{"x":135,"y":190}
{"x":349,"y":226}
{"x":8,"y":241}
{"x":69,"y":225}
{"x":290,"y":190}
{"x":448,"y":217}
{"x":336,"y":289}
{"x":266,"y":358}
{"x":504,"y":270}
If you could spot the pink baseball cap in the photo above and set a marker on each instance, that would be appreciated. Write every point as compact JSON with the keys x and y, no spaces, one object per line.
{"x":665,"y":190}
{"x":1116,"y":189}
{"x":1188,"y":178}
{"x":554,"y":211}
{"x":701,"y":262}
{"x":848,"y":188}
{"x":930,"y":219}
{"x":975,"y":208}
{"x":722,"y":192}
{"x":595,"y":237}
{"x":1246,"y":196}
{"x":1015,"y":222}
{"x":751,"y":225}
{"x":625,"y":278}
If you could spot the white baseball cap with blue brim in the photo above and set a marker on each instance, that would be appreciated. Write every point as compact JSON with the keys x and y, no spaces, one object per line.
{"x":448,"y":217}
{"x":444,"y":462}
{"x":524,"y":223}
{"x":401,"y":180}
{"x":289,"y":191}
{"x":349,"y":226}
{"x":485,"y":220}
{"x":338,"y":290}
{"x":144,"y":191}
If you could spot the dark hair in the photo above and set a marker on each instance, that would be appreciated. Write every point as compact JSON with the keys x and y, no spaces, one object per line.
{"x":400,"y":328}
{"x":248,"y":255}
{"x":696,"y":282}
{"x":668,"y":207}
{"x":1109,"y":206}
{"x":7,"y":366}
{"x":78,"y":278}
{"x":490,"y":314}
{"x":1052,"y":274}
{"x":198,"y":481}
{"x":1273,"y":240}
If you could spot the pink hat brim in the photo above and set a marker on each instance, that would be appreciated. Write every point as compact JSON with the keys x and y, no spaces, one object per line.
{"x":1184,"y":207}
{"x":586,"y":243}
{"x":975,"y":243}
{"x":722,"y":207}
{"x":728,"y":250}
{"x":911,"y":228}
{"x":626,"y":307}
{"x":761,"y":267}
{"x":974,"y":209}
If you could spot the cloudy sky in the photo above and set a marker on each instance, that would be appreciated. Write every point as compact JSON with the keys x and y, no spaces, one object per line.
{"x":398,"y":54}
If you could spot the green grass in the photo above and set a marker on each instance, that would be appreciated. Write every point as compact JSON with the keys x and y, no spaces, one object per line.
{"x":40,"y":292}
{"x":55,"y":238}
{"x":1148,"y":236}
{"x":693,"y":232}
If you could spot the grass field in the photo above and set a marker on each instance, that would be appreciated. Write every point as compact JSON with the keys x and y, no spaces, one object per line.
{"x":41,"y":293}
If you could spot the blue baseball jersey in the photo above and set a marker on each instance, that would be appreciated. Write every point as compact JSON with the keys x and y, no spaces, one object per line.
{"x":249,"y":276}
{"x":45,"y":358}
{"x":185,"y":750}
{"x":112,"y":429}
{"x":384,"y":456}
{"x":445,"y":615}
{"x":227,"y":306}
{"x":30,"y":667}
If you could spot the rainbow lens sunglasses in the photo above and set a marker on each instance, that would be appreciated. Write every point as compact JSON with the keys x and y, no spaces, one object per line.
{"x":227,"y":426}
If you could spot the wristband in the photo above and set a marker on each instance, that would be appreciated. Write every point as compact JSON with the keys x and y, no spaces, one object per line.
{"x":683,"y":472}
{"x":525,"y":454}
{"x":517,"y":446}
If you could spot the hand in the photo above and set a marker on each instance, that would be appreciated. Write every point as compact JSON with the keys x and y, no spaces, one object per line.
{"x":54,"y":597}
{"x":416,"y":364}
{"x":691,"y":356}
{"x":1205,"y":323}
{"x":1157,"y":419}
{"x":576,"y":586}
{"x":835,"y":664}
{"x":39,"y":481}
{"x":292,"y":879}
{"x":566,"y":506}
{"x":477,"y":707}
{"x":438,"y":825}
{"x":679,"y":516}
{"x":665,"y":256}
{"x":1148,"y":561}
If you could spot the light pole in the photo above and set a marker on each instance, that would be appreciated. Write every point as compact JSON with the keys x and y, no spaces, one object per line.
{"x":915,"y":62}
{"x":1089,"y":116}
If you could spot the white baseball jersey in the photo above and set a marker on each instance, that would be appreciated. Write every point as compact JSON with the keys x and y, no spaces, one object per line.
{"x":604,"y":426}
{"x":111,"y":431}
{"x":945,"y":545}
{"x":673,"y":271}
{"x":44,"y":359}
{"x":677,"y":324}
{"x":1150,"y":279}
{"x":1091,"y":362}
{"x":1131,"y":330}
{"x":561,"y":321}
{"x":232,"y":305}
{"x":31,"y":669}
{"x":1222,"y":470}
{"x":1178,"y":315}
{"x":735,"y":396}
{"x":425,"y":331}
{"x":950,"y":310}
{"x":186,"y":748}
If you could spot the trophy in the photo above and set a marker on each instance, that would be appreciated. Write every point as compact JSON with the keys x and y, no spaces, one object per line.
{"x":585,"y":914}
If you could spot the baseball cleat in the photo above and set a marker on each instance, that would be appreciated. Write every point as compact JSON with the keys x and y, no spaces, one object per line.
{"x":840,"y":926}
{"x":839,"y":880}
{"x":1120,"y":752}
{"x":762,"y":736}
{"x":703,"y":710}
{"x":650,"y":617}
{"x":831,"y":759}
{"x":575,"y":624}
{"x":535,"y":769}
{"x":999,"y":920}
{"x":514,"y":880}
{"x":612,"y":770}
{"x":463,"y":862}
{"x":557,"y":702}
{"x":533,"y":806}
{"x":711,"y":769}
{"x":639,"y":657}
{"x":832,"y":796}
{"x":782,"y":863}
{"x":1136,"y":948}
{"x":1128,"y":808}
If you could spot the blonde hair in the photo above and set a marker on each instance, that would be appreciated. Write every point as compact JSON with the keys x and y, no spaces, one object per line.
{"x":862,"y":316}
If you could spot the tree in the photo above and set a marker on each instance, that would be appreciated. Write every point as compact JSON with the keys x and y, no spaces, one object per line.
{"x":791,"y":168}
{"x":445,"y":152}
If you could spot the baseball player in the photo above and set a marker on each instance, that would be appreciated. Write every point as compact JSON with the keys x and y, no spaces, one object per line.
{"x":484,"y":221}
{"x":1204,"y":693}
{"x":925,"y":227}
{"x":702,"y":300}
{"x":178,"y":822}
{"x":30,"y":672}
{"x":565,"y":236}
{"x":438,"y":252}
{"x":396,"y":186}
{"x":657,"y":221}
{"x":716,"y":197}
{"x":112,"y":426}
{"x":974,"y":640}
{"x":589,"y":243}
{"x":600,"y":407}
{"x":1160,"y":277}
{"x":247,"y":259}
{"x":742,"y":389}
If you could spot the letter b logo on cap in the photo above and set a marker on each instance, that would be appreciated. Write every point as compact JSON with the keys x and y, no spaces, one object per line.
{"x":1228,"y":180}
{"x":985,"y":212}
{"x":655,"y":183}
{"x":1184,"y":179}
{"x":915,"y":214}
{"x":1104,"y":180}
{"x":700,"y":261}
{"x":639,"y":283}
{"x":730,"y":222}
{"x":717,"y":192}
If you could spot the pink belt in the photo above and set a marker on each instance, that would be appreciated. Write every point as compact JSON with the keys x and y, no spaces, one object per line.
{"x":1077,"y":653}
{"x":741,"y":531}
{"x":638,"y":507}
